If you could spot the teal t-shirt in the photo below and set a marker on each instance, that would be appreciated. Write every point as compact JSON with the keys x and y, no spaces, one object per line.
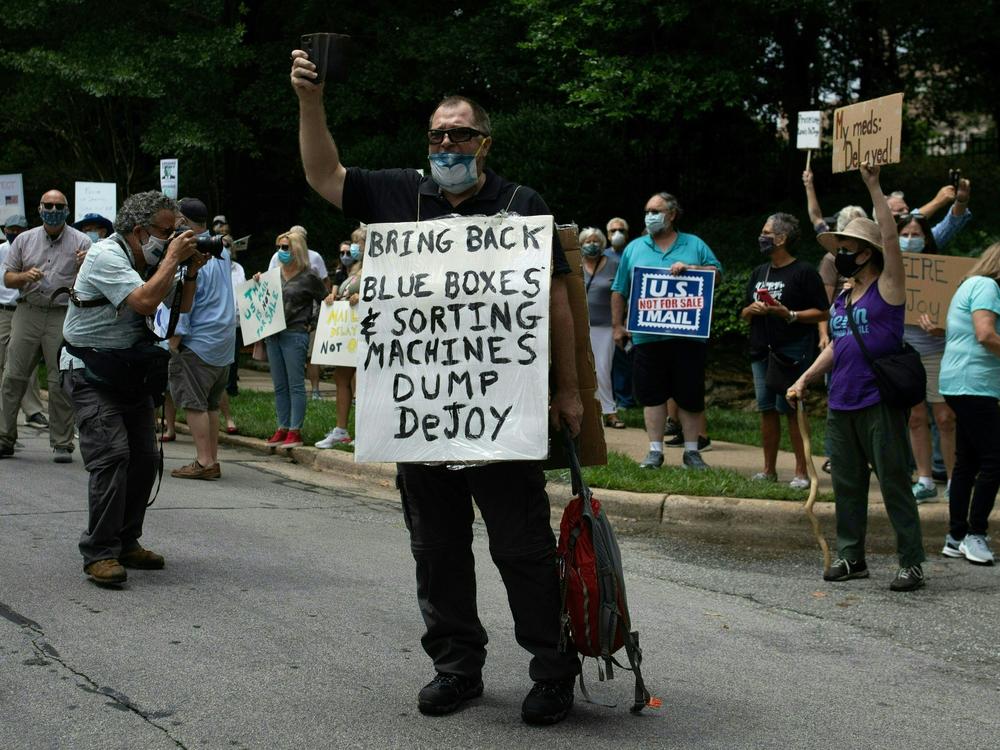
{"x":969,"y":368}
{"x":643,"y":252}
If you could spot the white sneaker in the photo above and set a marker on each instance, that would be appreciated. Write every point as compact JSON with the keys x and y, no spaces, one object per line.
{"x":334,"y":437}
{"x":799,"y":483}
{"x":976,"y":549}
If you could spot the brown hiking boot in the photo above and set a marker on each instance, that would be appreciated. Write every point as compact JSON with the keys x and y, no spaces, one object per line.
{"x":141,"y":558}
{"x":195,"y":470}
{"x":106,"y":571}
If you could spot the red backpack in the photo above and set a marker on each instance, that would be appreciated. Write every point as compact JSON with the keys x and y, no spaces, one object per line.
{"x":594,"y":606}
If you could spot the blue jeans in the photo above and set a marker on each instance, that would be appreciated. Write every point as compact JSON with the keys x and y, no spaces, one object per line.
{"x":287,"y":353}
{"x":767,"y":400}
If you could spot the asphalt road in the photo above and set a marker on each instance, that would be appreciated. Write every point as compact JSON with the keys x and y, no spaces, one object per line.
{"x":286,"y":618}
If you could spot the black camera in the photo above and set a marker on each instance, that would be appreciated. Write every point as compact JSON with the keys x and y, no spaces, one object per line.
{"x":206,"y":245}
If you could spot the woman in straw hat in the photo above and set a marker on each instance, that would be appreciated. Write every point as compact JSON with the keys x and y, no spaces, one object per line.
{"x":864,"y":431}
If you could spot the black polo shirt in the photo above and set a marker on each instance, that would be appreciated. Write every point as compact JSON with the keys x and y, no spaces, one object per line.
{"x":393,"y":195}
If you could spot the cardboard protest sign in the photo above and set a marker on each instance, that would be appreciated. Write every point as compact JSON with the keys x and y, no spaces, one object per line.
{"x":667,"y":305}
{"x":261,"y":310}
{"x":453,"y":351}
{"x":95,"y":198}
{"x":336,"y":335}
{"x":810,"y":130}
{"x":931,"y":281}
{"x":168,"y":177}
{"x":11,"y":196}
{"x":867,"y":131}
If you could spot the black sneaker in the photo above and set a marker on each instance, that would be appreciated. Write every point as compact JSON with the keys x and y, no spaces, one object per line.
{"x":908,"y":579}
{"x":672,"y":428}
{"x":6,"y":450}
{"x":446,"y":692}
{"x":845,"y":570}
{"x":548,"y":702}
{"x":704,"y":443}
{"x":37,"y":420}
{"x":675,"y":440}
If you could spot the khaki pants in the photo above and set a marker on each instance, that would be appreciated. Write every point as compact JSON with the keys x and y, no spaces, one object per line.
{"x":35,"y":331}
{"x":32,"y":401}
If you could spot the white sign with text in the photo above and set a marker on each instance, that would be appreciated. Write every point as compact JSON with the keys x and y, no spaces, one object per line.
{"x":261,"y":310}
{"x":453,"y":347}
{"x":95,"y":198}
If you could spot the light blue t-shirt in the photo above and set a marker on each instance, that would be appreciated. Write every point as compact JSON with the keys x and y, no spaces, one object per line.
{"x":209,"y":330}
{"x":107,"y":271}
{"x":969,"y":368}
{"x":643,"y":252}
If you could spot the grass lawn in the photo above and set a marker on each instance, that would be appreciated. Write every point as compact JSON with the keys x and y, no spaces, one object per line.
{"x":623,"y":473}
{"x":254,"y":415}
{"x":738,"y":426}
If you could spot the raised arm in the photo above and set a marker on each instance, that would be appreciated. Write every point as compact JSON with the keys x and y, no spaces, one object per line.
{"x":812,"y":202}
{"x":891,"y":283}
{"x":320,"y":158}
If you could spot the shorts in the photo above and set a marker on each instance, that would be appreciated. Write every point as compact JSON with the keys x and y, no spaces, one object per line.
{"x":932,"y":365}
{"x":674,"y":368}
{"x":194,"y":384}
{"x":768,"y":400}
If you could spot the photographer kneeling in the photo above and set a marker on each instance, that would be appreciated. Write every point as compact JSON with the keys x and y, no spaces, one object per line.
{"x":112,"y":374}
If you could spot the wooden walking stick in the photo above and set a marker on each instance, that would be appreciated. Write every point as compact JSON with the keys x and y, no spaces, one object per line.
{"x":813,"y":484}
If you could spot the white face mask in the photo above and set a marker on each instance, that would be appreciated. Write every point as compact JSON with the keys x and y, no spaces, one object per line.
{"x":618,"y":239}
{"x":153,"y":249}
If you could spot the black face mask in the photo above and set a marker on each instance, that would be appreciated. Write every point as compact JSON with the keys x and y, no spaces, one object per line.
{"x":847,"y":264}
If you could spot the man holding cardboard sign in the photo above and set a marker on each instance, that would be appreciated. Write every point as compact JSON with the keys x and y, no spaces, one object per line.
{"x":437,"y":501}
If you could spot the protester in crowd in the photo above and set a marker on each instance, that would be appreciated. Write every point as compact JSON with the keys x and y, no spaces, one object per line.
{"x":288,"y":351}
{"x":437,"y":500}
{"x":785,"y":300}
{"x":31,"y":402}
{"x":665,"y":366}
{"x":970,"y":382}
{"x":132,"y":272}
{"x":915,"y":236}
{"x":220,"y":226}
{"x":344,"y":262}
{"x":599,"y":271}
{"x":865,"y":432}
{"x":344,"y":377}
{"x":237,"y":276}
{"x":201,"y":350}
{"x":832,"y":280}
{"x":318,"y":266}
{"x":94,"y":226}
{"x":41,"y":261}
{"x":621,"y":363}
{"x":954,"y":219}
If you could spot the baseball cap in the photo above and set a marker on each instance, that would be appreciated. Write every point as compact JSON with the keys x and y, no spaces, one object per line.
{"x":193,"y":209}
{"x":17,"y":220}
{"x":220,"y":219}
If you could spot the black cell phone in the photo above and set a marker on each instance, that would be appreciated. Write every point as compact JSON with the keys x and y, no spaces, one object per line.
{"x":330,"y":54}
{"x":954,"y":176}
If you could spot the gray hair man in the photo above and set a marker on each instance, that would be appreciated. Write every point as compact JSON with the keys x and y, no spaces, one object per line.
{"x":122,"y":281}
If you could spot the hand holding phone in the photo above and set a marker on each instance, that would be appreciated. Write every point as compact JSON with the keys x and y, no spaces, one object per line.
{"x":765,"y":296}
{"x":329,"y":53}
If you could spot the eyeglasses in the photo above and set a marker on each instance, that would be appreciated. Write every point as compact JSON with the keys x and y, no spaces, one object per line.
{"x":60,"y":206}
{"x":284,"y":247}
{"x":455,"y":135}
{"x":161,"y":230}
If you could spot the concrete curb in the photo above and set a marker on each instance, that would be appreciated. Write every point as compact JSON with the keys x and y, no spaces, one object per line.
{"x":745,"y":521}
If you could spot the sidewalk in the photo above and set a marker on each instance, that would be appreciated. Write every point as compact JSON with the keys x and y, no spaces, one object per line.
{"x":754,"y":521}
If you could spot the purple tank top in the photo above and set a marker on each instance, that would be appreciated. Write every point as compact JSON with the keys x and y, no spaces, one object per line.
{"x":852,"y":382}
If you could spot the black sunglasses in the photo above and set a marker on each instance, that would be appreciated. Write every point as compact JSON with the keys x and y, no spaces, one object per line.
{"x":284,"y":247}
{"x":52,"y":206}
{"x":455,"y":135}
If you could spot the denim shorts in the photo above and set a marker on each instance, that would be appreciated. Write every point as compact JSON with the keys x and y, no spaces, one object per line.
{"x":768,"y":400}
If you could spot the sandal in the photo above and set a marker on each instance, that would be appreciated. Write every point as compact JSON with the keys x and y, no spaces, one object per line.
{"x":614,"y":421}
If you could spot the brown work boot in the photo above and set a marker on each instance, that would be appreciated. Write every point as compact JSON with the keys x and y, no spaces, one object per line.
{"x":195,"y":470}
{"x":106,"y":571}
{"x":141,"y":558}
